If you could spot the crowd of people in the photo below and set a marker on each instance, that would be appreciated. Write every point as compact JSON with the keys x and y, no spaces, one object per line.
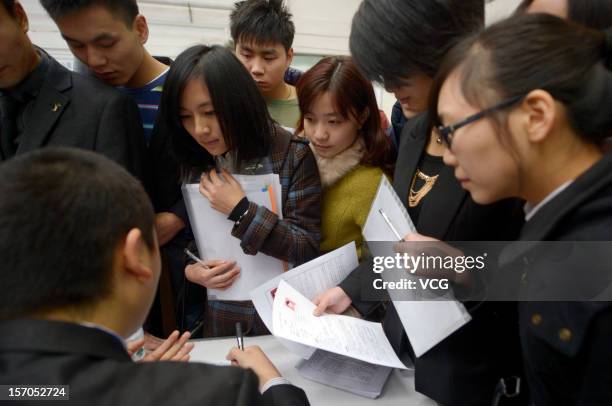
{"x":499,"y":133}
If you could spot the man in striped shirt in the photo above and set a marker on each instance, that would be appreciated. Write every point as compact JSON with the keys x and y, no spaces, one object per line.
{"x":108,"y":36}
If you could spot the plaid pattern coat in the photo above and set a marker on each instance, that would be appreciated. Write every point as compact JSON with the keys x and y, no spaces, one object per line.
{"x":296,"y":237}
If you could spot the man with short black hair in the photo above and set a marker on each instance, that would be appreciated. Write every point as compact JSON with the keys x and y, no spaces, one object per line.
{"x":80,"y":270}
{"x":263,"y":33}
{"x":108,"y":36}
{"x":400,"y":45}
{"x":44,"y":104}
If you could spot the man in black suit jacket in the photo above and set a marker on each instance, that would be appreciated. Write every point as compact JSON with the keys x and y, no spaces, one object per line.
{"x":81,"y":265}
{"x":44,"y":104}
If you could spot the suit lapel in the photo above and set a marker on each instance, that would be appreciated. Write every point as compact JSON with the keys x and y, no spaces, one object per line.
{"x":48,"y":108}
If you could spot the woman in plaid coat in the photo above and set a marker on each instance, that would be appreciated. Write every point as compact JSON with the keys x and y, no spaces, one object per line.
{"x":220,"y":125}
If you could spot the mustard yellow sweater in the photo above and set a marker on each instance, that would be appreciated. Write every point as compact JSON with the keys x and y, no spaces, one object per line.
{"x":345,"y":206}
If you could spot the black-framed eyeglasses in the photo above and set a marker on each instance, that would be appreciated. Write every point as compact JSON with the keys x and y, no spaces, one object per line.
{"x":446,"y":133}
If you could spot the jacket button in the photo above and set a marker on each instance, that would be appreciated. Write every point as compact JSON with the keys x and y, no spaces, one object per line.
{"x":565,"y":335}
{"x":536,"y":319}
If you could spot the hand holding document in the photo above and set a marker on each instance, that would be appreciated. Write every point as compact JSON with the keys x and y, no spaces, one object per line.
{"x":309,"y":279}
{"x":212,"y":231}
{"x":426,"y":322}
{"x":293,"y":319}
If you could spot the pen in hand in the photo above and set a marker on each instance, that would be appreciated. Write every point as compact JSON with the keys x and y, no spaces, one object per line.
{"x":239,"y":336}
{"x":390,"y":224}
{"x":195,"y":258}
{"x":197,"y":327}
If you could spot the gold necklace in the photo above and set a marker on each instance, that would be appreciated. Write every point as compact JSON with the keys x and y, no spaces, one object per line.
{"x":415,"y":197}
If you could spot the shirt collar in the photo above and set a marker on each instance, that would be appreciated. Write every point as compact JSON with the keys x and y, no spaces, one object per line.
{"x":159,"y":80}
{"x":104,"y":329}
{"x":531,"y":211}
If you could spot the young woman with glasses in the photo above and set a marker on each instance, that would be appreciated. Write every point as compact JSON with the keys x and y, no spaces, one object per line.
{"x":529,"y":118}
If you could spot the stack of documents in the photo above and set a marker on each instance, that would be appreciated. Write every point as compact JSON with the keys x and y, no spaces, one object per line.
{"x":345,"y":373}
{"x":213,"y":234}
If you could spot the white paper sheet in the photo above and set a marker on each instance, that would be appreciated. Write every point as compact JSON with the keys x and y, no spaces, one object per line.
{"x":375,"y":227}
{"x":348,"y":374}
{"x":309,"y":279}
{"x":426,"y":322}
{"x":293,"y":320}
{"x":202,"y":353}
{"x":212,"y":231}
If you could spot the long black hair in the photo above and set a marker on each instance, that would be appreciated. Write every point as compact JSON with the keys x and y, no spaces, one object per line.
{"x":239,"y":106}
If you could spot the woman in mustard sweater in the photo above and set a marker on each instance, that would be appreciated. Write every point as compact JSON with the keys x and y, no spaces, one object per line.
{"x":340,"y":118}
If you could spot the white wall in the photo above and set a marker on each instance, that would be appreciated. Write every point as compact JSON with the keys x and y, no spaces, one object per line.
{"x":322,"y":28}
{"x":499,"y":9}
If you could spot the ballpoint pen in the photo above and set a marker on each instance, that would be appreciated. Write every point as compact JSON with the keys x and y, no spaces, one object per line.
{"x":197,"y":327}
{"x":399,"y":237}
{"x":195,"y":258}
{"x":239,"y":336}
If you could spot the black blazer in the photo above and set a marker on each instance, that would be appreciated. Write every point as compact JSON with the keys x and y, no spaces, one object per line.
{"x":567,"y":346}
{"x":465,"y":368}
{"x":74,"y":111}
{"x":99,"y":371}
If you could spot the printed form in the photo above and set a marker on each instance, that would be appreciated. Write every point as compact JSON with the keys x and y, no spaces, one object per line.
{"x":293,"y":320}
{"x":309,"y":279}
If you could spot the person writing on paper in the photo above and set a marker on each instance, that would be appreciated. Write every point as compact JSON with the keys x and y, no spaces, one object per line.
{"x":541,"y":139}
{"x":220,"y":125}
{"x":465,"y":368}
{"x":67,"y":303}
{"x":339,"y":116}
